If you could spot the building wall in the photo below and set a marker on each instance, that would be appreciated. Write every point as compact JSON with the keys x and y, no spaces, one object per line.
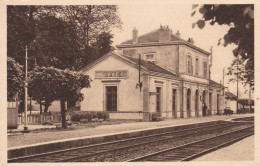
{"x":167,"y":86}
{"x":165,"y":56}
{"x":129,"y":97}
{"x":184,"y":51}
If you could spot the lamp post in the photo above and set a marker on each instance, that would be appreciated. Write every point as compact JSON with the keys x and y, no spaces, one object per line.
{"x":25,"y":93}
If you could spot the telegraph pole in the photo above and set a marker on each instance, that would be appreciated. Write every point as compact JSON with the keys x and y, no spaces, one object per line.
{"x":237,"y":82}
{"x":25,"y":92}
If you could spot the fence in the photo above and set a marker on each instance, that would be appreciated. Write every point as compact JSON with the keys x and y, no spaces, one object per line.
{"x":39,"y":118}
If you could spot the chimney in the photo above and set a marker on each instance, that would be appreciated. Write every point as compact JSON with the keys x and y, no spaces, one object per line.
{"x":191,"y":40}
{"x":164,"y":34}
{"x":177,"y":33}
{"x":135,"y":36}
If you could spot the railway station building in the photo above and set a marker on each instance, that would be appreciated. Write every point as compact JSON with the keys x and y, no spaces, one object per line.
{"x":154,"y":72}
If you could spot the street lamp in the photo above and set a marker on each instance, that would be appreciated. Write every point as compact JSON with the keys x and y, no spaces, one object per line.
{"x":25,"y":93}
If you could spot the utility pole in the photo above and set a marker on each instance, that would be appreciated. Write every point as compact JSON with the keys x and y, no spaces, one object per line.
{"x":25,"y":92}
{"x":237,"y":82}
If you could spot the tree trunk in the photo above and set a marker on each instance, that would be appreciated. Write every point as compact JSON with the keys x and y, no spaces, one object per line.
{"x":63,"y":114}
{"x":46,"y":108}
{"x":40,"y":107}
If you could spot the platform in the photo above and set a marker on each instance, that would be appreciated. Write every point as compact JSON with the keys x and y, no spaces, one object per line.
{"x":30,"y":143}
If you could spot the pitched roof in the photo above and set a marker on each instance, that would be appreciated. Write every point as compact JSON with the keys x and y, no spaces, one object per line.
{"x":246,"y":101}
{"x":153,"y":37}
{"x":150,"y":66}
{"x":230,"y":95}
{"x":213,"y":83}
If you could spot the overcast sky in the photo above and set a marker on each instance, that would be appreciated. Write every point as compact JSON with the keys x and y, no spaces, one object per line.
{"x":148,"y":17}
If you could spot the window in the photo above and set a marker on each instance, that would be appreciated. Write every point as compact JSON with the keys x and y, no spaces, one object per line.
{"x":189,"y":64}
{"x":205,"y":69}
{"x":150,"y":57}
{"x":197,"y":67}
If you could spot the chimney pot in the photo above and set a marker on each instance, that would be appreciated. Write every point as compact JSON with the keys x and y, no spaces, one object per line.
{"x":164,"y":34}
{"x":135,"y":36}
{"x":178,"y":33}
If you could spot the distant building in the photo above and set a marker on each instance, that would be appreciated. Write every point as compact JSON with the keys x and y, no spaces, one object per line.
{"x":231,"y":101}
{"x":174,"y":79}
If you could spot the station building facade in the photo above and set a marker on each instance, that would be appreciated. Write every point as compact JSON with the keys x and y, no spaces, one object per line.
{"x":155,"y":72}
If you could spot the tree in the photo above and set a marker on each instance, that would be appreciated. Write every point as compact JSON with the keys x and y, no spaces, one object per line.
{"x":90,"y":20}
{"x":240,"y":19}
{"x":238,"y":72}
{"x":59,"y":36}
{"x":41,"y":86}
{"x":21,"y":30}
{"x":15,"y":79}
{"x":56,"y":44}
{"x":56,"y":84}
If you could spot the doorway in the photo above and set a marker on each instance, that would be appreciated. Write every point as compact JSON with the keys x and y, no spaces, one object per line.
{"x":174,"y":115}
{"x":197,"y":103}
{"x":111,"y":98}
{"x":188,"y":102}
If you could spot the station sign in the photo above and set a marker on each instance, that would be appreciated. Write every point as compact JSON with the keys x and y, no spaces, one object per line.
{"x":111,"y":74}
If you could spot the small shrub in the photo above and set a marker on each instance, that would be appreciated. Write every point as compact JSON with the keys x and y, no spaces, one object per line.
{"x":100,"y":115}
{"x":105,"y":115}
{"x":94,"y":115}
{"x":87,"y":115}
{"x":75,"y":118}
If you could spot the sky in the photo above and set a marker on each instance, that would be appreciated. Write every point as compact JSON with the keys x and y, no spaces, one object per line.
{"x":148,"y":17}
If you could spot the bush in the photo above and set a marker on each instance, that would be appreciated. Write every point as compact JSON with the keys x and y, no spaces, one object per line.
{"x":100,"y":115}
{"x":76,"y":117}
{"x":94,"y":115}
{"x":88,"y":116}
{"x":105,"y":115}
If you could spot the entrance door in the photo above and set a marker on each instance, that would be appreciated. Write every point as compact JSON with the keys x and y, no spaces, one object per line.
{"x":174,"y":103}
{"x":158,"y":99}
{"x":111,"y":96}
{"x":197,"y":103}
{"x":210,"y":103}
{"x":204,"y":111}
{"x":188,"y":102}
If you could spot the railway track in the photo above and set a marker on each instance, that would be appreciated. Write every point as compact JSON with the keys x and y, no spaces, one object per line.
{"x":108,"y":150}
{"x":198,"y":148}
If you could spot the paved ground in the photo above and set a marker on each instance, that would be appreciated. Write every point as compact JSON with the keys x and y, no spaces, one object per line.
{"x":45,"y":136}
{"x":240,"y":151}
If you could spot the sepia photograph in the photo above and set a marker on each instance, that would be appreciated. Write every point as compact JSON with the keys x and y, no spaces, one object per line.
{"x":121,"y":81}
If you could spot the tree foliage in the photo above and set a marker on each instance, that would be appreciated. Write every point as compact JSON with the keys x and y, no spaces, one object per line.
{"x":15,"y":79}
{"x":90,"y":20}
{"x":240,"y":19}
{"x":59,"y":36}
{"x":48,"y":84}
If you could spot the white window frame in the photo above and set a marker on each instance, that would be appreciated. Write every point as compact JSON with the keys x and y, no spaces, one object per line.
{"x":150,"y":59}
{"x":106,"y":84}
